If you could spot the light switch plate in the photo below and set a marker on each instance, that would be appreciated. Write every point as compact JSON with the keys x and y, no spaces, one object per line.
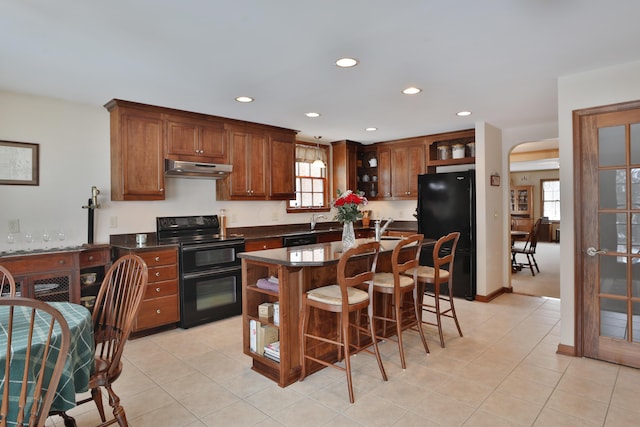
{"x":113,"y":222}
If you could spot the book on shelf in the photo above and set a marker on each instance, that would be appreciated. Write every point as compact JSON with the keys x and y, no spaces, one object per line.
{"x":272,"y":351}
{"x":253,"y":337}
{"x":266,"y":334}
{"x":276,"y":313}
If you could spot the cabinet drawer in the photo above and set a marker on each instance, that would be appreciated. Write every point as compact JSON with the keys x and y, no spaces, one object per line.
{"x":160,"y":274}
{"x":159,"y":257}
{"x":41,"y":263}
{"x":157,"y":312}
{"x":94,"y":258}
{"x":258,"y":245}
{"x":163,"y":289}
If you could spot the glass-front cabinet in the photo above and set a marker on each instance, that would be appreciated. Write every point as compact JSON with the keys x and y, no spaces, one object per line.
{"x":521,"y":200}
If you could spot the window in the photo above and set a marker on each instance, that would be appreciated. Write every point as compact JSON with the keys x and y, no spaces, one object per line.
{"x":551,"y":199}
{"x":311,"y":180}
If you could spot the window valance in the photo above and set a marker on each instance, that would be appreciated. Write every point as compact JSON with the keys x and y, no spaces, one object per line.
{"x":307,"y":154}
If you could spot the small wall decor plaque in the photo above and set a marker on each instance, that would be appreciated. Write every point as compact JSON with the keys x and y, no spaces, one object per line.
{"x":19,"y":163}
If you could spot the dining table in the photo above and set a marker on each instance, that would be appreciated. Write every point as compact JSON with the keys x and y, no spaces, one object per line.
{"x":80,"y":361}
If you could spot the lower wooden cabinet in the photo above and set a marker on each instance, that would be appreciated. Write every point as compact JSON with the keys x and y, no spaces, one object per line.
{"x":161,"y":303}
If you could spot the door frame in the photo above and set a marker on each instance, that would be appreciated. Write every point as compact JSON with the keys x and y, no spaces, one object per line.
{"x":578,"y":137}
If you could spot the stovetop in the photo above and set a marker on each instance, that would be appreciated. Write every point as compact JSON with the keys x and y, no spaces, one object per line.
{"x":191,"y":229}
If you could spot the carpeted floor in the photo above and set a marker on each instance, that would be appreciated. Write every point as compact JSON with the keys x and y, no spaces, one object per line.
{"x":547,"y":282}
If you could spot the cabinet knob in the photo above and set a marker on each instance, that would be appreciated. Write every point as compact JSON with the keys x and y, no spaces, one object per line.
{"x":157,"y":289}
{"x":157,"y":274}
{"x":157,"y":258}
{"x":158,"y":311}
{"x":90,"y":257}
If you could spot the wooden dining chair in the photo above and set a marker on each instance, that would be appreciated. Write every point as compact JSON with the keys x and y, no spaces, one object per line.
{"x":7,"y":283}
{"x":397,"y":285}
{"x":29,"y":382}
{"x":528,"y":250}
{"x":342,"y":299}
{"x":436,"y":283}
{"x":114,"y":312}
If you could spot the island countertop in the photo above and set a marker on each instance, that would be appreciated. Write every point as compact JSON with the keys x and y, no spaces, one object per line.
{"x":316,"y":255}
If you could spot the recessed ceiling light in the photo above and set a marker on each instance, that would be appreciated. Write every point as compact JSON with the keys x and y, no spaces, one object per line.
{"x":312,"y":114}
{"x":244,"y":99}
{"x":371,"y":129}
{"x":412,"y":90}
{"x":463,"y":113}
{"x":346,"y":62}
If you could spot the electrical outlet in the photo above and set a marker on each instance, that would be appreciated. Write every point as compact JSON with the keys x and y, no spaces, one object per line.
{"x":275,"y":216}
{"x":113,"y":222}
{"x":400,"y":214}
{"x":14,"y":225}
{"x":234,"y":218}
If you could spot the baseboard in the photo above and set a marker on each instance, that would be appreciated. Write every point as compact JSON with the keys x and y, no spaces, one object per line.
{"x":492,"y":295}
{"x":566,"y":350}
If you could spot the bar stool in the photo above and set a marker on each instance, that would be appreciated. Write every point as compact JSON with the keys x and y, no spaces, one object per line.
{"x":397,"y":285}
{"x":440,"y":277}
{"x":343,"y":299}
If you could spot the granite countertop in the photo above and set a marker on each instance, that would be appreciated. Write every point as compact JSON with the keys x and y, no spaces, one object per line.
{"x":41,"y":251}
{"x":318,"y":254}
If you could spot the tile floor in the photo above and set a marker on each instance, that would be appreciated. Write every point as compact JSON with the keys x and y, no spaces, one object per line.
{"x":504,"y":372}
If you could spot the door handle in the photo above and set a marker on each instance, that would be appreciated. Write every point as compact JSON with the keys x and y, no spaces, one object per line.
{"x":591,"y":251}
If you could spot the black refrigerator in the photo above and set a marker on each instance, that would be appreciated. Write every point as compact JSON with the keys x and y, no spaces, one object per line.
{"x":447,"y":203}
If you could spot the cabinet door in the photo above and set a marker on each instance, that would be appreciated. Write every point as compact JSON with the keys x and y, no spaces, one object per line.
{"x":248,"y":179}
{"x":282,"y":159}
{"x":407,"y":162}
{"x":384,"y":172}
{"x":213,"y":145}
{"x":137,"y":170}
{"x":182,"y":138}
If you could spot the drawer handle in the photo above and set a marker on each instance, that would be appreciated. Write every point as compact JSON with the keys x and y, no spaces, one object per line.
{"x":90,"y":257}
{"x":157,"y":289}
{"x":61,"y":261}
{"x":158,"y":311}
{"x":157,"y":258}
{"x":157,"y":274}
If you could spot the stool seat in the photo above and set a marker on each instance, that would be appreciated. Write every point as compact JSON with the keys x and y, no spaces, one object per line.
{"x":427,"y":274}
{"x":387,"y":280}
{"x":332,"y":295}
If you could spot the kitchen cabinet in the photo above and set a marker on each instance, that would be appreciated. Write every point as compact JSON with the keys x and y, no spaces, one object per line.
{"x":55,"y":276}
{"x":261,"y":244}
{"x":161,"y":302}
{"x":448,"y":139}
{"x":263,"y":162}
{"x":196,"y":139}
{"x":346,"y":163}
{"x":521,"y":201}
{"x":137,"y":152}
{"x":384,"y":171}
{"x":281,"y":171}
{"x":368,"y":175}
{"x":408,"y":160}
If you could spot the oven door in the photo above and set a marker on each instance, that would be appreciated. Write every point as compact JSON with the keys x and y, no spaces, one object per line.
{"x":209,"y":296}
{"x":208,"y":256}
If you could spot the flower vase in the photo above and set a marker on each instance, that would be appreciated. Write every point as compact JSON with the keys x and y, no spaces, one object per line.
{"x":348,"y":236}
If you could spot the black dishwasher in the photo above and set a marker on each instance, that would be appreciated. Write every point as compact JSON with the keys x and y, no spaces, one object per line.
{"x":299,"y":240}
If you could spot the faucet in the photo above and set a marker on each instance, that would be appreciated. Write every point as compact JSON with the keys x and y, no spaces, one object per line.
{"x":381,"y":230}
{"x":314,"y":220}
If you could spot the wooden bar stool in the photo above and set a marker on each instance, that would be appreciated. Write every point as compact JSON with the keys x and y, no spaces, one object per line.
{"x":343,"y":299}
{"x":397,"y":285}
{"x":437,"y":282}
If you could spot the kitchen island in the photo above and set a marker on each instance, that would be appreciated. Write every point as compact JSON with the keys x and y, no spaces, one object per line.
{"x":297,"y":269}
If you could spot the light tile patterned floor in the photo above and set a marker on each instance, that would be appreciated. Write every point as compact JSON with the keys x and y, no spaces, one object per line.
{"x":504,"y":372}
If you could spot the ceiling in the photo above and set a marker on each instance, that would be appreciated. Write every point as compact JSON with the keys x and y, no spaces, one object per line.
{"x":499,"y":59}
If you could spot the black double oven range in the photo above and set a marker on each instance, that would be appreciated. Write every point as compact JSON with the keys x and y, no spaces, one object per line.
{"x":210,"y":270}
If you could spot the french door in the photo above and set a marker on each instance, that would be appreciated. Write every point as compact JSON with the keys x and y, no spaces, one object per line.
{"x":607,"y":147}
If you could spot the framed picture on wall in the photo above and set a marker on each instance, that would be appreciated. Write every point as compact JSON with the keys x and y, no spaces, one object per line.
{"x":495,"y":180}
{"x":19,"y":163}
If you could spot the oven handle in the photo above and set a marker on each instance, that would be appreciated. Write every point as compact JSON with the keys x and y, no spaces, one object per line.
{"x":217,"y":245}
{"x":216,"y":272}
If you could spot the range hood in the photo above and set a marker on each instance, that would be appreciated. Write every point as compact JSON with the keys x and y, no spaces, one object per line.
{"x":182,"y":169}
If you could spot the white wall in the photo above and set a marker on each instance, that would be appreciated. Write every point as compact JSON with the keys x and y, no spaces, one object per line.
{"x":590,"y":89}
{"x":74,"y":156}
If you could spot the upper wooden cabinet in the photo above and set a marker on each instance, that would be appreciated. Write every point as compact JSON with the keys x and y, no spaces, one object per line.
{"x":408,"y":160}
{"x":192,"y":139}
{"x":137,"y":155}
{"x":263,"y":165}
{"x":446,"y":141}
{"x":346,"y":161}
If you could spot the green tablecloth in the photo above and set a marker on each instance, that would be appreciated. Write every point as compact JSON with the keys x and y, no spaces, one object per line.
{"x":79,"y":363}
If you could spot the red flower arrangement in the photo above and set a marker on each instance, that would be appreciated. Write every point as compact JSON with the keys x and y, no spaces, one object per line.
{"x":347,"y":206}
